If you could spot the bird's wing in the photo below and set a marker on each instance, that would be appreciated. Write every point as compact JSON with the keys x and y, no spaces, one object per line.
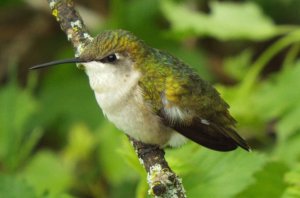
{"x":200,"y":129}
{"x":188,"y":104}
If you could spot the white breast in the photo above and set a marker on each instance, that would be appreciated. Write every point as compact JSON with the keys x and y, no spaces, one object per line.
{"x":120,"y":98}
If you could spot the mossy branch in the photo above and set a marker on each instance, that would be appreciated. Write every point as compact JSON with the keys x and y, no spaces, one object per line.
{"x":162,"y":180}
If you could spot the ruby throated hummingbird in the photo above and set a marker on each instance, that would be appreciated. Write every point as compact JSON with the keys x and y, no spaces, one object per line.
{"x":153,"y":96}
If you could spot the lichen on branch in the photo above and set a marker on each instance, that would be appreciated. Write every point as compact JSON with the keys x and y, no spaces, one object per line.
{"x":71,"y":23}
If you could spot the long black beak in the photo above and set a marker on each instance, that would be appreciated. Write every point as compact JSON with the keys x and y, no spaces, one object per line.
{"x":58,"y":62}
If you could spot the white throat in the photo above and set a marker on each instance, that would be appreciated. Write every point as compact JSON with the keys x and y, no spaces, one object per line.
{"x":111,"y":83}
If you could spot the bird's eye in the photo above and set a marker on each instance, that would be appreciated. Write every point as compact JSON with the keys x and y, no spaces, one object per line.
{"x":109,"y":59}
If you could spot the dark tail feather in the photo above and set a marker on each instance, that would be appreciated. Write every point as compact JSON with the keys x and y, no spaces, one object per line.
{"x":237,"y":138}
{"x":212,"y":136}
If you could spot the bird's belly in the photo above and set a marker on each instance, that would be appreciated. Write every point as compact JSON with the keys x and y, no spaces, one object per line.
{"x":130,"y":114}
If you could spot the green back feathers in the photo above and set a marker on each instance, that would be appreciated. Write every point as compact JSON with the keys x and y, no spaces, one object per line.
{"x":165,"y":75}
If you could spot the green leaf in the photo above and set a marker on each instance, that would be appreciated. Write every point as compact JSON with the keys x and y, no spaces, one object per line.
{"x":63,"y":195}
{"x":142,"y":189}
{"x":288,"y":150}
{"x":17,"y":107}
{"x":277,"y":98}
{"x":81,"y":143}
{"x":238,"y":65}
{"x":110,"y":151}
{"x":13,"y":187}
{"x":226,"y":21}
{"x":47,"y":174}
{"x":215,"y":174}
{"x":129,"y":155}
{"x":268,"y":182}
{"x":292,"y":178}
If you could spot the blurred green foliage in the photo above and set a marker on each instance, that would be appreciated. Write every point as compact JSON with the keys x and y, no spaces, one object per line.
{"x":55,"y":143}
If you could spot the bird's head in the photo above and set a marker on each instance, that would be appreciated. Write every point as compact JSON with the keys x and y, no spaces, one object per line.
{"x":117,"y":49}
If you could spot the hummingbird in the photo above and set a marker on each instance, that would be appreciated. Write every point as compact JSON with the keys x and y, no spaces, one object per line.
{"x":153,"y":96}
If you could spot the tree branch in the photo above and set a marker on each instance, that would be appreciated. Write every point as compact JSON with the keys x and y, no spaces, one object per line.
{"x":71,"y":23}
{"x":162,"y":180}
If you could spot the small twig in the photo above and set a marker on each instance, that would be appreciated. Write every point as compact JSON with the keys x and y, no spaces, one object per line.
{"x":162,"y":180}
